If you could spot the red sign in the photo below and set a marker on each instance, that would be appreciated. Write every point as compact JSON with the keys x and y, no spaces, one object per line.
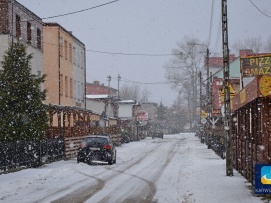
{"x":142,"y":115}
{"x":216,"y":89}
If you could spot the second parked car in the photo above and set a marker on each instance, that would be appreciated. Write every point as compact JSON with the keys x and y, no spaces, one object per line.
{"x":97,"y":148}
{"x":158,"y":133}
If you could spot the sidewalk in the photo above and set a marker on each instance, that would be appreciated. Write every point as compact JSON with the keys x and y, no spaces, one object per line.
{"x":212,"y":184}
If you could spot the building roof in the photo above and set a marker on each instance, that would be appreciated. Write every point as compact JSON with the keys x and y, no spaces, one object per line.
{"x":97,"y":96}
{"x":218,"y":61}
{"x":127,"y":101}
{"x":96,"y":88}
{"x":62,"y":28}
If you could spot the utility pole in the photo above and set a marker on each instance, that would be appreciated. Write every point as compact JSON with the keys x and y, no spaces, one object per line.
{"x":208,"y":77}
{"x":227,"y":101}
{"x":108,"y":102}
{"x":109,"y":79}
{"x":200,"y":105}
{"x":208,"y":105}
{"x":119,"y":86}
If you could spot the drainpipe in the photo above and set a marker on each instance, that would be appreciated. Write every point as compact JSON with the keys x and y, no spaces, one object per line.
{"x":59,"y":96}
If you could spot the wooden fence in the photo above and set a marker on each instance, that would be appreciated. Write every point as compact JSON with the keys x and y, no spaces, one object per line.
{"x":73,"y":124}
{"x":251,"y":130}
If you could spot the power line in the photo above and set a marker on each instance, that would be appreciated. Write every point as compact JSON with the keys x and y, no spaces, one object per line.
{"x":143,"y":83}
{"x":115,"y":53}
{"x":211,"y":23}
{"x":74,"y":12}
{"x":130,"y":54}
{"x":259,"y":9}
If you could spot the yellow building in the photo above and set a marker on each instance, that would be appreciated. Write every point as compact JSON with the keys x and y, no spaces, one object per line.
{"x":64,"y":65}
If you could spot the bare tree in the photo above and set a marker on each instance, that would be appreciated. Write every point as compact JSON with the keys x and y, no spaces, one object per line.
{"x":267,"y":47}
{"x":145,"y":95}
{"x":182,"y":71}
{"x":254,"y":43}
{"x":130,"y":92}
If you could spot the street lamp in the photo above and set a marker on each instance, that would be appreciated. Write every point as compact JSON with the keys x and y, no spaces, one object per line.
{"x":109,"y":79}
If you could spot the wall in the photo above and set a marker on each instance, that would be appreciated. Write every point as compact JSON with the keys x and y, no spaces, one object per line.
{"x":8,"y":32}
{"x":126,"y":110}
{"x":79,"y":73}
{"x":51,"y":63}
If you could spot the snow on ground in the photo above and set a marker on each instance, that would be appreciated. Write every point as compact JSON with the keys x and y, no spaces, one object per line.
{"x":197,"y":176}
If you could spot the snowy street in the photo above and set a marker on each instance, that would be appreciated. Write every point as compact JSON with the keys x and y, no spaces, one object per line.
{"x":177,"y":168}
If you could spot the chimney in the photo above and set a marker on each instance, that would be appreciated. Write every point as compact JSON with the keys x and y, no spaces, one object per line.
{"x":96,"y":82}
{"x":246,"y":52}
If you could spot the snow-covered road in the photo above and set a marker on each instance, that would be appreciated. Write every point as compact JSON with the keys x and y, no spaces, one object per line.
{"x":177,"y":168}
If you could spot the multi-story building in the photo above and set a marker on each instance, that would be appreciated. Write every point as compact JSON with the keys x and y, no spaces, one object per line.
{"x":65,"y":67}
{"x":19,"y":23}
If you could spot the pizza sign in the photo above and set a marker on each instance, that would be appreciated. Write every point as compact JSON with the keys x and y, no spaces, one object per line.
{"x":255,"y":65}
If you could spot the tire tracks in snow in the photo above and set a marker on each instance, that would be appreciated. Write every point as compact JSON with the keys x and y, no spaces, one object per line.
{"x":83,"y":193}
{"x":150,"y":183}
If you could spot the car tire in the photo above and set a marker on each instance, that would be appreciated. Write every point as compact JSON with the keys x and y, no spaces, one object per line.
{"x":111,"y":161}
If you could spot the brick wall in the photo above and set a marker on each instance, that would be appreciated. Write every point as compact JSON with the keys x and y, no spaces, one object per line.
{"x":4,"y":17}
{"x":7,"y":26}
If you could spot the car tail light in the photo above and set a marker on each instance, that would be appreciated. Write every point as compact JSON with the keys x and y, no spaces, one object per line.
{"x":107,"y":146}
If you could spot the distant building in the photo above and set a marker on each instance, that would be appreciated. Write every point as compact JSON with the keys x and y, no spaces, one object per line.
{"x":150,"y":108}
{"x":100,"y":98}
{"x":235,"y":80}
{"x":96,"y":88}
{"x":126,"y":109}
{"x":17,"y":23}
{"x":65,"y":67}
{"x":216,"y":63}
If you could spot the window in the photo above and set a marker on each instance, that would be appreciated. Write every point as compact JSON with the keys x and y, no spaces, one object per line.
{"x":78,"y":90}
{"x":74,"y":55}
{"x":61,"y":85}
{"x":29,"y":34}
{"x":82,"y":60}
{"x":70,"y":52}
{"x":74,"y":86}
{"x":66,"y":86}
{"x":38,"y":38}
{"x":18,"y":27}
{"x":71,"y":88}
{"x":78,"y":59}
{"x":82,"y":91}
{"x":61,"y":46}
{"x":66,"y":49}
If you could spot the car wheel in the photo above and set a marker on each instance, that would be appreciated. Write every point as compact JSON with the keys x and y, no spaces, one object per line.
{"x":111,"y":161}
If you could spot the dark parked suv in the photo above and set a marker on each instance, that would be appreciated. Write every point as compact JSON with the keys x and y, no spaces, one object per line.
{"x":97,"y":148}
{"x":158,"y":133}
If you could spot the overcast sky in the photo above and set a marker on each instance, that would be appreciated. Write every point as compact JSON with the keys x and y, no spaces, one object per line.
{"x":150,"y":27}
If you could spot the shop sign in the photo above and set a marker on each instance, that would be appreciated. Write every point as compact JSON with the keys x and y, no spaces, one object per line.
{"x":255,"y":65}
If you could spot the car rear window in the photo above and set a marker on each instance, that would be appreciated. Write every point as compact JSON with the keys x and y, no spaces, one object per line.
{"x":98,"y":140}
